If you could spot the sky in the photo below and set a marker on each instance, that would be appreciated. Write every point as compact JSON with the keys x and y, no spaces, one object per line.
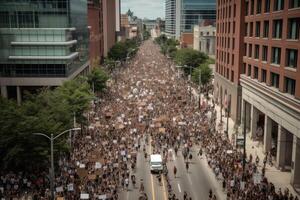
{"x":150,"y":9}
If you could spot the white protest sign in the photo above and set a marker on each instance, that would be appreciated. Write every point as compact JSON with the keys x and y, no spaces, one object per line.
{"x":103,"y":196}
{"x":71,"y":187}
{"x":84,"y":196}
{"x":81,"y":165}
{"x":59,"y":189}
{"x":97,"y":165}
{"x":115,"y":141}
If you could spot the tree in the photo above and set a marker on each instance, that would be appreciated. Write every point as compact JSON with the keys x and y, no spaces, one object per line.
{"x":190,"y":58}
{"x":118,"y":51}
{"x":97,"y":79}
{"x":206,"y":74}
{"x":129,"y":13}
{"x":48,"y":112}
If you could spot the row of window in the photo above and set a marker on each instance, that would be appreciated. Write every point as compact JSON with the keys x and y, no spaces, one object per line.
{"x":265,"y":6}
{"x":224,"y":57}
{"x":225,"y":72}
{"x":291,"y":58}
{"x":225,"y":42}
{"x":293,"y":27}
{"x":226,"y":12}
{"x":253,"y":72}
{"x":226,"y":27}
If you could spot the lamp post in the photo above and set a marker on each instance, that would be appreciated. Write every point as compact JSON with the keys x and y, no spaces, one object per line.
{"x":52,"y":138}
{"x":244,"y":150}
{"x":200,"y":83}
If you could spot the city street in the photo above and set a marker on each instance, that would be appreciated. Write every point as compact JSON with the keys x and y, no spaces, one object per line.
{"x":146,"y":90}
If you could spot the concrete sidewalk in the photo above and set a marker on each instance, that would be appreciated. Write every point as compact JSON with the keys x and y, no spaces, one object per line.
{"x":279,"y":178}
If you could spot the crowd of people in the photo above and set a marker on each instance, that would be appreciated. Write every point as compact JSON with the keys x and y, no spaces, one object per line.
{"x":147,"y":104}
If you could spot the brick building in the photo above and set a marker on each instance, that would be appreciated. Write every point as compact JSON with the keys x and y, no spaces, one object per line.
{"x":263,"y":36}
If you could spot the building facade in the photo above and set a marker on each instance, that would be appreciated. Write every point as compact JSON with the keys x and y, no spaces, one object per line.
{"x":111,"y":23}
{"x":42,"y":43}
{"x":229,"y":40}
{"x":95,"y":22}
{"x":170,"y":16}
{"x":258,"y":52}
{"x":182,"y":15}
{"x":204,"y":39}
{"x":270,"y":79}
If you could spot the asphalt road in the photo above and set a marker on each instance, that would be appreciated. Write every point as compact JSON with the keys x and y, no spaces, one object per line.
{"x":197,"y":181}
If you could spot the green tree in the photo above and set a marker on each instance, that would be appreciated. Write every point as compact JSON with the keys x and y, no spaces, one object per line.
{"x":206,"y":74}
{"x":189,"y":57}
{"x":118,"y":51}
{"x":97,"y":79}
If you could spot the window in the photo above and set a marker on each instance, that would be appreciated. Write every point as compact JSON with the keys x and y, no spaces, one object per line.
{"x":291,"y":58}
{"x":247,"y":8}
{"x":249,"y":70}
{"x":264,"y":53}
{"x":251,"y":29}
{"x":232,"y":59}
{"x":294,"y":3}
{"x":264,"y":75}
{"x":277,"y":30}
{"x":252,"y":7}
{"x":232,"y":76}
{"x":233,"y":43}
{"x":233,"y":27}
{"x":250,"y":51}
{"x":276,"y":52}
{"x":290,"y":85}
{"x":234,"y":11}
{"x":267,"y":6}
{"x":293,"y":28}
{"x":266,"y":29}
{"x":255,"y":72}
{"x":274,"y":80}
{"x":245,"y":49}
{"x":257,"y":29}
{"x":247,"y":29}
{"x":278,"y":5}
{"x":258,"y":7}
{"x":244,"y":68}
{"x":256,"y":51}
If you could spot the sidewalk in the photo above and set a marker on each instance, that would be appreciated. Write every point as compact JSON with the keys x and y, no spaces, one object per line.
{"x":278,"y":178}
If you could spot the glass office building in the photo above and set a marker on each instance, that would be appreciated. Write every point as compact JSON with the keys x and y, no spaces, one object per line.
{"x":194,"y":12}
{"x":43,"y":38}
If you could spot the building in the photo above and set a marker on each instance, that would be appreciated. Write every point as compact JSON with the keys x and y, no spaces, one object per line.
{"x":186,"y":40}
{"x":257,"y":74}
{"x":182,"y":15}
{"x":170,"y":14}
{"x":230,"y":31}
{"x":95,"y":22}
{"x":111,"y":23}
{"x":204,"y":39}
{"x":270,"y":79}
{"x":150,"y":24}
{"x":125,"y":27}
{"x":39,"y":47}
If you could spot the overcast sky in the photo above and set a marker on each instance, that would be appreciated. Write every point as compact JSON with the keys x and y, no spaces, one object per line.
{"x":144,"y":8}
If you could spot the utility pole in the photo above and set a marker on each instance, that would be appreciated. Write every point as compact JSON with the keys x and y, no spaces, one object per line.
{"x":244,"y":152}
{"x":52,"y":169}
{"x":200,"y":83}
{"x":52,"y":138}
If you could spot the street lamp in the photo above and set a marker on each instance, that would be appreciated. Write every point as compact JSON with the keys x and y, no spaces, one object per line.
{"x":52,"y":138}
{"x":200,"y":83}
{"x":189,"y":77}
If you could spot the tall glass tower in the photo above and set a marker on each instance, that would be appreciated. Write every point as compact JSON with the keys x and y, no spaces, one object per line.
{"x":42,"y":41}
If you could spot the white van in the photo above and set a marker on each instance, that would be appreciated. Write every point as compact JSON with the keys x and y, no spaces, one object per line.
{"x":156,"y":164}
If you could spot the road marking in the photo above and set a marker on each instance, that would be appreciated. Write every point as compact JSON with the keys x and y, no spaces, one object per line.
{"x":164,"y":188}
{"x":190,"y":180}
{"x":152,"y":183}
{"x":179,"y":188}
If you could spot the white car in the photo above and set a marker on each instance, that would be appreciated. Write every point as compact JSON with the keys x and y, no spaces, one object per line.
{"x":156,"y":164}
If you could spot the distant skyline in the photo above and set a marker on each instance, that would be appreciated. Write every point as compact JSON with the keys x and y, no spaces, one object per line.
{"x":150,"y":9}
